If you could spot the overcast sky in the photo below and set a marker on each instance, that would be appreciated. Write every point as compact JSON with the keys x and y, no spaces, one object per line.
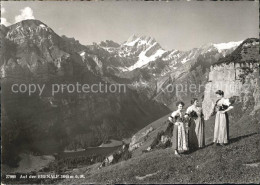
{"x":175,"y":25}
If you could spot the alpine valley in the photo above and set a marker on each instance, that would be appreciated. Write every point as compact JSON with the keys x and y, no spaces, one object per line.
{"x":31,"y":52}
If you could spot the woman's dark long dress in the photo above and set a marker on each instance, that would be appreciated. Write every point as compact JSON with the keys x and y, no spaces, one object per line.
{"x":196,"y":130}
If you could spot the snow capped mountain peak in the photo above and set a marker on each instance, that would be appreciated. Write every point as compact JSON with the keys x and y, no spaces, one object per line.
{"x":27,"y":29}
{"x":224,"y":46}
{"x":145,"y":48}
{"x":172,"y":54}
{"x":30,"y":25}
{"x":144,"y":59}
{"x":148,"y":39}
{"x":144,"y":51}
{"x":132,"y":43}
{"x":131,"y":38}
{"x":143,"y":40}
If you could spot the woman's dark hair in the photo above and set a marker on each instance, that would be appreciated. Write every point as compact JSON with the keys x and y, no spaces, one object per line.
{"x":180,"y":102}
{"x":193,"y":100}
{"x":221,"y":93}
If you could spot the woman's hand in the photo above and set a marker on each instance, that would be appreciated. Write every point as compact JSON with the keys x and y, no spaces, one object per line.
{"x":177,"y":123}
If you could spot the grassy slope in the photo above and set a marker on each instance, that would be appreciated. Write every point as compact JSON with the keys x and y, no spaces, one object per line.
{"x":208,"y":165}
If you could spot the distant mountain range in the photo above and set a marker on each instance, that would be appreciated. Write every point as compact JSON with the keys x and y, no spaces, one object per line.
{"x":31,"y":52}
{"x":141,"y":52}
{"x":142,"y":63}
{"x":146,"y":49}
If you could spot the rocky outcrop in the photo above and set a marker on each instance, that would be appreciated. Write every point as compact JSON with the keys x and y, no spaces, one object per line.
{"x":238,"y":78}
{"x":138,"y":139}
{"x":121,"y":154}
{"x":235,"y":79}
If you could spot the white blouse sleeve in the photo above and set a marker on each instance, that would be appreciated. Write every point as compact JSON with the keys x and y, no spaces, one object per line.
{"x":226,"y":102}
{"x":189,"y":110}
{"x":173,"y":114}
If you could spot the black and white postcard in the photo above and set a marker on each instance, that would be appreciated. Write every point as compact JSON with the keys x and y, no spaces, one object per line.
{"x":120,"y":92}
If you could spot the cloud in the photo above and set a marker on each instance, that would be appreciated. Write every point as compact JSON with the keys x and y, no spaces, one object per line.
{"x":26,"y":13}
{"x":2,"y":10}
{"x":5,"y":22}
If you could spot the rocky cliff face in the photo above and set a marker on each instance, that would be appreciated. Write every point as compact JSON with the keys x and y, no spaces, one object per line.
{"x":237,"y":75}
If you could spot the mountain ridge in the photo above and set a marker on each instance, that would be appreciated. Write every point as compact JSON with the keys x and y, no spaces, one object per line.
{"x":36,"y":54}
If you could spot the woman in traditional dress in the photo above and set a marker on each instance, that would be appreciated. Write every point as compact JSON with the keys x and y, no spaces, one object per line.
{"x":196,"y":125}
{"x":179,"y":140}
{"x":221,"y":130}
